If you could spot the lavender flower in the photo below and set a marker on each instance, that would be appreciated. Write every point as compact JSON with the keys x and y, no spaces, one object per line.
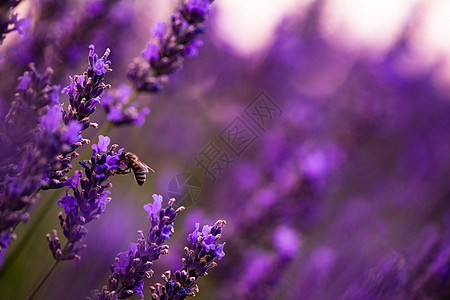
{"x":60,"y":32}
{"x":84,"y":90}
{"x":286,"y":241}
{"x":197,"y":261}
{"x":264,"y":272}
{"x":165,"y":53}
{"x":120,"y":110}
{"x":162,"y":57}
{"x":357,"y":165}
{"x":84,"y":93}
{"x":132,"y":266}
{"x":86,"y":204}
{"x":31,"y":140}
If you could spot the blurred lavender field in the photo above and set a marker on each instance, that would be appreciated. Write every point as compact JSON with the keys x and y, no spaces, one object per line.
{"x":329,"y":160}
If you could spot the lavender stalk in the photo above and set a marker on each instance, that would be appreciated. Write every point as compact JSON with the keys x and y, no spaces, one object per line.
{"x":163,"y":56}
{"x":89,"y":202}
{"x":205,"y":251}
{"x":32,"y":138}
{"x":84,"y":93}
{"x":132,"y":266}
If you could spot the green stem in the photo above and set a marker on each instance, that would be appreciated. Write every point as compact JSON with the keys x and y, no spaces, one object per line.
{"x":32,"y":228}
{"x":109,"y":125}
{"x":132,"y":97}
{"x":27,"y":207}
{"x":42,"y":215}
{"x":106,"y":128}
{"x":44,"y":278}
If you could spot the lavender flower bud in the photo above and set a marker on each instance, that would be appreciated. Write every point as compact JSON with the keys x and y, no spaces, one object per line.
{"x":84,"y":90}
{"x":89,"y":202}
{"x":31,"y":141}
{"x":132,"y":266}
{"x":286,"y":241}
{"x":165,"y":53}
{"x":120,"y":110}
{"x":197,"y":261}
{"x":84,"y":93}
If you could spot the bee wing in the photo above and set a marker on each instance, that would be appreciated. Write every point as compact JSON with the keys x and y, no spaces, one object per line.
{"x":144,"y":167}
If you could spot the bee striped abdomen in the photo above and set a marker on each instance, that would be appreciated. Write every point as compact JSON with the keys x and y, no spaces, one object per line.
{"x":139,"y":173}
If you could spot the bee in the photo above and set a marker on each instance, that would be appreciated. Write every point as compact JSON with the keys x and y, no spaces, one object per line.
{"x":133,"y":163}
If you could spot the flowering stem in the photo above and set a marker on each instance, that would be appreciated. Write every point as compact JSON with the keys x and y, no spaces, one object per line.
{"x":106,"y":128}
{"x":26,"y":208}
{"x":43,"y":279}
{"x":133,"y":96}
{"x":26,"y":238}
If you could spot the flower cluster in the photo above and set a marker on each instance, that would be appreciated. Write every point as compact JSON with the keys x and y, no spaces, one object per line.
{"x":205,"y":251}
{"x":30,"y":143}
{"x":84,"y":93}
{"x":165,"y":53}
{"x":41,"y":135}
{"x":132,"y":266}
{"x":89,"y":199}
{"x":39,"y":148}
{"x":84,"y":90}
{"x":342,"y":194}
{"x":121,"y":109}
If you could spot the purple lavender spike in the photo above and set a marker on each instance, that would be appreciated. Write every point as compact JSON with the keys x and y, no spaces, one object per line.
{"x":84,"y":94}
{"x":31,"y":139}
{"x":88,"y":199}
{"x":132,"y":266}
{"x":205,"y":251}
{"x":171,"y":43}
